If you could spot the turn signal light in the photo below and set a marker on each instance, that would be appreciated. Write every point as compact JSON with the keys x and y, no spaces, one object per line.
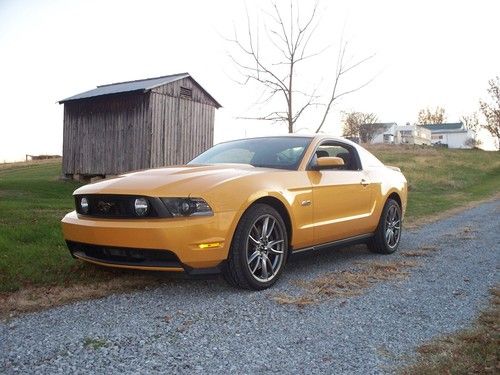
{"x":209,"y":245}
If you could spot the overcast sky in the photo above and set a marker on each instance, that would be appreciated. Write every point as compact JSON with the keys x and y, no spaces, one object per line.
{"x":428,"y":53}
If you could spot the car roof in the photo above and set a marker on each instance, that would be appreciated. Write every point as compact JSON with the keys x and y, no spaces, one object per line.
{"x":316,"y":137}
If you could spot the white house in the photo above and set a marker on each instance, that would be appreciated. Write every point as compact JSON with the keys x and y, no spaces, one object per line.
{"x":386,"y":132}
{"x":413,"y":135}
{"x":391,"y":133}
{"x":451,"y":135}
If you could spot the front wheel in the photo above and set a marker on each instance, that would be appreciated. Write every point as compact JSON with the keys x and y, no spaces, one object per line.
{"x":388,"y":234}
{"x":258,"y":251}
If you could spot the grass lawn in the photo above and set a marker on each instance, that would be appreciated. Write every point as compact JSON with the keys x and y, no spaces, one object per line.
{"x":33,"y":200}
{"x":32,"y":252}
{"x":441,"y":179}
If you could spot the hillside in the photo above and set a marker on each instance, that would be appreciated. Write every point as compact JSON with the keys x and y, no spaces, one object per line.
{"x":440,"y":179}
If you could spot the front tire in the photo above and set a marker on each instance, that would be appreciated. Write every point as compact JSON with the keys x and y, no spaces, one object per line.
{"x":259,"y":249}
{"x":388,"y":234}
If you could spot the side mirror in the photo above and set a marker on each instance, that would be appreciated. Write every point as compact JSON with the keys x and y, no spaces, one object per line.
{"x":327,"y":162}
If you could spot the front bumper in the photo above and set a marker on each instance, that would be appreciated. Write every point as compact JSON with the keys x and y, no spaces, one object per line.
{"x":170,"y":244}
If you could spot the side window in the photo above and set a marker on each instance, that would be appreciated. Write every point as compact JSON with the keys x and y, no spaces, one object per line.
{"x":345,"y":152}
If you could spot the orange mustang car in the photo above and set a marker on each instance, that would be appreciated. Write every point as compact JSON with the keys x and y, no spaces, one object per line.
{"x":241,"y":208}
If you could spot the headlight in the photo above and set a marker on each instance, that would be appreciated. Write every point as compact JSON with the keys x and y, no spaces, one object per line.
{"x":187,"y":206}
{"x":141,"y":206}
{"x":84,"y":205}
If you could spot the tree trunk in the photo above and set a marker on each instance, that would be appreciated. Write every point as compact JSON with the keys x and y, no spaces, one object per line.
{"x":290,"y":92}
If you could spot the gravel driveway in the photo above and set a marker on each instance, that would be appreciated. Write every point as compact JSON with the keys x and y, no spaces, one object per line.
{"x":204,"y":326}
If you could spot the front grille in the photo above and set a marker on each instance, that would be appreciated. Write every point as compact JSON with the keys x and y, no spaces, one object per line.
{"x":119,"y":206}
{"x":124,"y":255}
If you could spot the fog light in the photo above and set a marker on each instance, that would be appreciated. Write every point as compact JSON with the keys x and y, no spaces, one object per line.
{"x":141,"y":206}
{"x":84,"y":205}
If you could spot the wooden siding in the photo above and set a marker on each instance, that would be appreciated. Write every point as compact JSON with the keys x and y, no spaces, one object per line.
{"x":174,"y":89}
{"x":181,"y":129}
{"x":107,"y":135}
{"x":110,"y":135}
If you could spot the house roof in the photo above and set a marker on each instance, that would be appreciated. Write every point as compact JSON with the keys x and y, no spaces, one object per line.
{"x":140,"y":85}
{"x":454,"y":126}
{"x":385,"y":125}
{"x":382,"y":127}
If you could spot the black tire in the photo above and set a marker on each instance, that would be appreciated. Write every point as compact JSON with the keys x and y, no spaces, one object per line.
{"x":249,"y":252}
{"x":382,"y":242}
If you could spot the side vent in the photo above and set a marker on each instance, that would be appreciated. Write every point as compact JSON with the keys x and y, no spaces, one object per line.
{"x":186,"y":93}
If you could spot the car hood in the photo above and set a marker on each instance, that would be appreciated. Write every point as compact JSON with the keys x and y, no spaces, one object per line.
{"x":178,"y":181}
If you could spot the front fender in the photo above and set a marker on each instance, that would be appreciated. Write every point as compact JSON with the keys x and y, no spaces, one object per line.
{"x":290,"y":188}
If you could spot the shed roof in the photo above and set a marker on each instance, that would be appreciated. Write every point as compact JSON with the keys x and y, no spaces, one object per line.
{"x":140,"y":85}
{"x":451,"y":126}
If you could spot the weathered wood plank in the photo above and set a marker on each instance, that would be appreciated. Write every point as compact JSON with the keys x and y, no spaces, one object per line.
{"x":115,"y":134}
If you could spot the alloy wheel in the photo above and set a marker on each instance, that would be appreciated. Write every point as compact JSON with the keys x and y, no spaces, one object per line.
{"x":392,"y":226}
{"x":265,"y":248}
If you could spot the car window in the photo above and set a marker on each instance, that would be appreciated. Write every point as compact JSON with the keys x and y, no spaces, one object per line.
{"x":268,"y":152}
{"x":290,"y":154}
{"x":345,"y":152}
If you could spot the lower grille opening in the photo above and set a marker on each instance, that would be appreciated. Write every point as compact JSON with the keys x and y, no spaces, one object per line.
{"x":124,"y":255}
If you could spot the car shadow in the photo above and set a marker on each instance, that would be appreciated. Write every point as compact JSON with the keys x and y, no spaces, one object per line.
{"x":302,"y":265}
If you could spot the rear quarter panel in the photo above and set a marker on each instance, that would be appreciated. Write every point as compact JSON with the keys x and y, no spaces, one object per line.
{"x":385,"y":182}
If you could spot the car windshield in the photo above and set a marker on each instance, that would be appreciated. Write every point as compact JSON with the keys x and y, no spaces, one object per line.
{"x":269,"y":152}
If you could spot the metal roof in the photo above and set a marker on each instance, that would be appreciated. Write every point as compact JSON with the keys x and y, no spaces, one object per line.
{"x":444,"y":127}
{"x":141,"y":85}
{"x":387,"y":124}
{"x":383,"y":125}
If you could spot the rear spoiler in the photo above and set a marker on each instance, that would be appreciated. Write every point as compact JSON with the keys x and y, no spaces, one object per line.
{"x":393,"y":168}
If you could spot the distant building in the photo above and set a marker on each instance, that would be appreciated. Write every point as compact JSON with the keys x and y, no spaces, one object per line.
{"x":386,"y":132}
{"x":391,"y":133}
{"x":134,"y":125}
{"x":451,"y":135}
{"x":413,"y":135}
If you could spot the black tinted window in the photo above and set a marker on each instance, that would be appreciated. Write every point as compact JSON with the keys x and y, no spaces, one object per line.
{"x":345,"y":152}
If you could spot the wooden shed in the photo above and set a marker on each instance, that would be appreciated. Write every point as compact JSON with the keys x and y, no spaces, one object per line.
{"x":135,"y":125}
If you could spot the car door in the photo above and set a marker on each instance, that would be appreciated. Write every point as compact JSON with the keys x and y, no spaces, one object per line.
{"x":342,"y":196}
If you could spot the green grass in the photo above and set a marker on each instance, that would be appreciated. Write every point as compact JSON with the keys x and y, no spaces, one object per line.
{"x":441,"y":179}
{"x":94,"y":344}
{"x":32,"y":251}
{"x":33,"y":201}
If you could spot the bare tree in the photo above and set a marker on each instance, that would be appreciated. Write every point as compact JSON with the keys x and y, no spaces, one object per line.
{"x":427,"y":116}
{"x":288,"y":34}
{"x":360,"y":125}
{"x":491,"y":110}
{"x":471,"y":122}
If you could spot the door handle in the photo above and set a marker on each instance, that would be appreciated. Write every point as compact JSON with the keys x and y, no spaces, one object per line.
{"x":365,"y":182}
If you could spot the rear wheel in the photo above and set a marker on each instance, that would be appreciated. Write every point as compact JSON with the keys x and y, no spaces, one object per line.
{"x":258,"y":251}
{"x":388,"y":233}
